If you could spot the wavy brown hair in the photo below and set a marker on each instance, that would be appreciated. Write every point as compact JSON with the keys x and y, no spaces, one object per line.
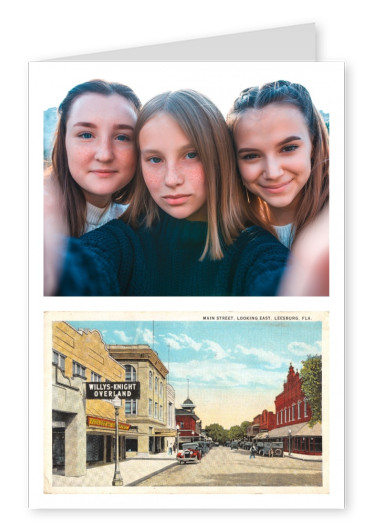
{"x":315,"y":193}
{"x":204,"y":125}
{"x":72,"y":194}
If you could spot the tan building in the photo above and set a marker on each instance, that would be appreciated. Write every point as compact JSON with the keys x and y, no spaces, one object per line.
{"x":83,"y":431}
{"x":152,"y":415}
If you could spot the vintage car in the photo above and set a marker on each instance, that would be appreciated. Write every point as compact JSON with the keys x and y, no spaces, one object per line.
{"x":188,"y":455}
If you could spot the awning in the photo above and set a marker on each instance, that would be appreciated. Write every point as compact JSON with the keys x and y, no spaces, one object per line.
{"x":297,"y":430}
{"x":165,"y":433}
{"x":262,"y":435}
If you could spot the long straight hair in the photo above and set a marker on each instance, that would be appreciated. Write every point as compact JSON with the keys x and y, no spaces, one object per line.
{"x":315,"y":193}
{"x":202,"y":122}
{"x":73,"y":196}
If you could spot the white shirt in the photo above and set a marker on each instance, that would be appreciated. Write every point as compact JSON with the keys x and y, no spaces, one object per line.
{"x":284,"y":234}
{"x":96,"y":216}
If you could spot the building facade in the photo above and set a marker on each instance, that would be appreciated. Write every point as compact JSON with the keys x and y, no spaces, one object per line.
{"x":188,"y":424}
{"x":83,"y":431}
{"x":151,"y":416}
{"x":290,"y":422}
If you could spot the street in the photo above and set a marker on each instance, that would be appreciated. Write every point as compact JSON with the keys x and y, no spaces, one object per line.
{"x":225,"y":467}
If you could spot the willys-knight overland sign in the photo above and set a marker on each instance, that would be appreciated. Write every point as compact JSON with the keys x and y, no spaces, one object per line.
{"x":111,"y":390}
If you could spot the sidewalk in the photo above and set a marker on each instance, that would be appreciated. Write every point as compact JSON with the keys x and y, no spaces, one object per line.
{"x":132,"y":470}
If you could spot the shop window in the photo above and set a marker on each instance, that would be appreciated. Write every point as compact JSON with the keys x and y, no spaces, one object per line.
{"x":59,"y":360}
{"x":131,"y":445}
{"x":79,"y":370}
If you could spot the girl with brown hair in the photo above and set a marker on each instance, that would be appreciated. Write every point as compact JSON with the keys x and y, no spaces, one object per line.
{"x":94,"y":156}
{"x":282,"y":150}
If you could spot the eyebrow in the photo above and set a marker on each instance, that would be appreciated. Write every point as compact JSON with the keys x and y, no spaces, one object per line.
{"x":155,"y":150}
{"x":93,"y":126}
{"x":284,"y":141}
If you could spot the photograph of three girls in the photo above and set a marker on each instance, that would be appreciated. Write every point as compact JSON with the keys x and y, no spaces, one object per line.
{"x":169,"y":197}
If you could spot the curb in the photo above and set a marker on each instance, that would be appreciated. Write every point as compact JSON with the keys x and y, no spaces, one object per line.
{"x":139,"y":480}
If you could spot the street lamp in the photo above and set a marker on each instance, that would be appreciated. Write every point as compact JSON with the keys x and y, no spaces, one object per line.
{"x":117,"y":479}
{"x":177,"y":437}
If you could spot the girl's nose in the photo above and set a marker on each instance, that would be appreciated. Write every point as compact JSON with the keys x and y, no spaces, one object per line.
{"x":173,"y":176}
{"x":273,"y":168}
{"x":104,"y":151}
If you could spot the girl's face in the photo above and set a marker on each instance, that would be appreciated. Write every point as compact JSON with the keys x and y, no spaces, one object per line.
{"x":100,"y":145}
{"x":273,"y":149}
{"x":172,"y":170}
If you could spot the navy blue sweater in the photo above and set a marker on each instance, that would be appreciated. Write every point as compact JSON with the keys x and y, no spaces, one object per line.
{"x":164,"y":260}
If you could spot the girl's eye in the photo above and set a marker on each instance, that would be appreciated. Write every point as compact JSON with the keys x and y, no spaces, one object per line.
{"x":291,"y":147}
{"x":123,"y":138}
{"x":191,"y":155}
{"x":86,"y":136}
{"x":250,"y":156}
{"x":155,"y":160}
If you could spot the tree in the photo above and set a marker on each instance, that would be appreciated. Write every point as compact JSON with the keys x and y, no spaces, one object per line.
{"x":216,"y":432}
{"x":235,"y":433}
{"x":311,"y":378}
{"x":244,"y":425}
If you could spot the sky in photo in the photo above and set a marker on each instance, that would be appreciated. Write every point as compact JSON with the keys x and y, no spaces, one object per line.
{"x":231,"y":370}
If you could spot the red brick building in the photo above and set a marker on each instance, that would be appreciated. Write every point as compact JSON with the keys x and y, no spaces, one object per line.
{"x":188,"y":423}
{"x":265,"y":421}
{"x":289,"y":423}
{"x":291,"y":405}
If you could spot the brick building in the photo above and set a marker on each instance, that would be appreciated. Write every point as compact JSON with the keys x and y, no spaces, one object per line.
{"x":289,"y":423}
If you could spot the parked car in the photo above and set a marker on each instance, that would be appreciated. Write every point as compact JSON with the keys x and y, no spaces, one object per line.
{"x":200,"y":445}
{"x":188,"y":455}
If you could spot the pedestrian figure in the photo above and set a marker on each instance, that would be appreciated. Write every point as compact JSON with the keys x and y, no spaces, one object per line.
{"x":252,"y":452}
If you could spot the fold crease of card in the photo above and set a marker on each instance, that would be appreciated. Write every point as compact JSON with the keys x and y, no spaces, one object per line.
{"x":290,"y":43}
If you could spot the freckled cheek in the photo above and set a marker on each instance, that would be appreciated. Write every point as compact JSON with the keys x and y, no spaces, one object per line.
{"x":128,"y":160}
{"x":193,"y":173}
{"x":153,"y":178}
{"x":78,"y":156}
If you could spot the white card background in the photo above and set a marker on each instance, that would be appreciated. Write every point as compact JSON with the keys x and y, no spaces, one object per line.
{"x":222,"y":82}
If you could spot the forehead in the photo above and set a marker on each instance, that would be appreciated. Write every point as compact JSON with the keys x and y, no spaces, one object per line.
{"x":163,"y":127}
{"x":91,"y":106}
{"x":274,"y":118}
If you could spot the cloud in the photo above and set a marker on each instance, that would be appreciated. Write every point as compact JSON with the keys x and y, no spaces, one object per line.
{"x":145,"y":336}
{"x":181,"y":341}
{"x":302,"y":350}
{"x":123,"y":338}
{"x":266,"y":356}
{"x":211,"y":373}
{"x":212,"y":346}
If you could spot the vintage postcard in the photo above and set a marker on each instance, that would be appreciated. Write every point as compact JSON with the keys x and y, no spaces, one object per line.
{"x":187,"y":403}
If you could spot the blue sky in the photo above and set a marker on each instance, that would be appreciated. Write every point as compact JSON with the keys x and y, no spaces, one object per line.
{"x":234,"y":369}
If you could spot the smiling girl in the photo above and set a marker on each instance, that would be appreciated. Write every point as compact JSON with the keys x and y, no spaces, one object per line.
{"x":282,"y":152}
{"x":94,"y":156}
{"x":184,"y":230}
